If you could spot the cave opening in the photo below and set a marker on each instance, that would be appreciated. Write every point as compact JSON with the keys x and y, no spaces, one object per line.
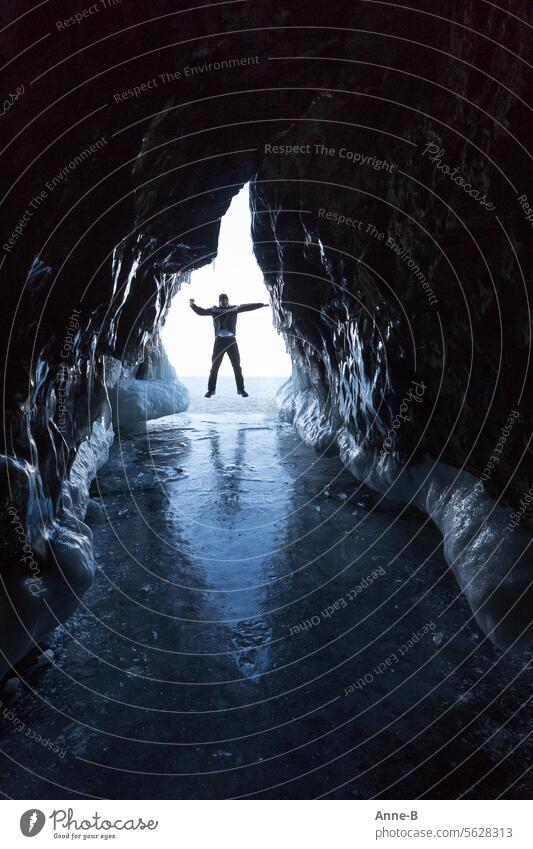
{"x":188,"y":340}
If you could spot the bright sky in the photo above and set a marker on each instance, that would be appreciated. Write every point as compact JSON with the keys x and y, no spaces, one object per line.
{"x":188,"y":338}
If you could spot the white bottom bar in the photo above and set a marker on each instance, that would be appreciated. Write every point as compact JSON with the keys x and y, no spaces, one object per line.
{"x":268,"y":824}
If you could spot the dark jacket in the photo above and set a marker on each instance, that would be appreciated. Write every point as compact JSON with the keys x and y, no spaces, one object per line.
{"x":225,"y":318}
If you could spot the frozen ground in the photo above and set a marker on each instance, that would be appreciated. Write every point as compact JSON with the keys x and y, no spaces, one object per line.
{"x":258,"y":629}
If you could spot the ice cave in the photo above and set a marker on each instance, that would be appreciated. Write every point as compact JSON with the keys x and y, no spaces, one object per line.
{"x":323,"y":589}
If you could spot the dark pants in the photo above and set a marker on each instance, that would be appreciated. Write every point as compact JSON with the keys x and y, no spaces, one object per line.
{"x":225,"y":345}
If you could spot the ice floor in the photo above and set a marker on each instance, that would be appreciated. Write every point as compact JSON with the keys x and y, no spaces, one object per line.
{"x":260,"y":627}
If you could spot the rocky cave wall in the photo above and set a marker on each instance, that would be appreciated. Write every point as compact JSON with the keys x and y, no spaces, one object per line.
{"x":119,"y":163}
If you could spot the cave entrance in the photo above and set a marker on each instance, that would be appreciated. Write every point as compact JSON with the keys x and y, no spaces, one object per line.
{"x":188,"y":338}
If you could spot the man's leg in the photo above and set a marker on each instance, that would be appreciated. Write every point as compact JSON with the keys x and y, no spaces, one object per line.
{"x":235,"y":359}
{"x":219,"y":349}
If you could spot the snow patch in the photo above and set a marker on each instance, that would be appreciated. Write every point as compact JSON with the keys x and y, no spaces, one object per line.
{"x":135,"y":401}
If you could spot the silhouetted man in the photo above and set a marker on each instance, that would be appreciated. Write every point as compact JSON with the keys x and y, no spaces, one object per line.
{"x":225,"y":321}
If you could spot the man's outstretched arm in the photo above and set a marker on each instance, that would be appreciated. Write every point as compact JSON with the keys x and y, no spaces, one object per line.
{"x":199,"y":310}
{"x":250,"y":307}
